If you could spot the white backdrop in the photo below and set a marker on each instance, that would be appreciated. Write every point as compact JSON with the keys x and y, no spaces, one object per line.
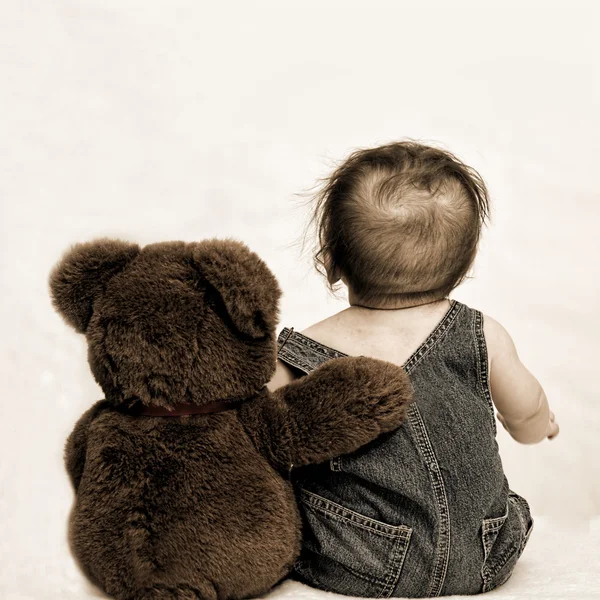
{"x":156,"y":121}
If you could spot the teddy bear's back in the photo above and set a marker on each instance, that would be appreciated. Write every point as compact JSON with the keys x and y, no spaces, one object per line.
{"x":181,"y":500}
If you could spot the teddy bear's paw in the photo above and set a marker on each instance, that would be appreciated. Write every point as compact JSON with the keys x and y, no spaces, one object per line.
{"x":385,"y":391}
{"x":179,"y":592}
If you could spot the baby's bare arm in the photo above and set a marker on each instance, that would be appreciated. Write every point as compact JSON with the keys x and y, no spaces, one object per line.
{"x":517,"y":395}
{"x":283,"y":375}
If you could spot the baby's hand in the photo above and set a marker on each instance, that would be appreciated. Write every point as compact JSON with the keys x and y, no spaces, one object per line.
{"x":552,"y":428}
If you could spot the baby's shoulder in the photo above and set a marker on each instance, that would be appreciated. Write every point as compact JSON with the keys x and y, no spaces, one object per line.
{"x":498,"y":340}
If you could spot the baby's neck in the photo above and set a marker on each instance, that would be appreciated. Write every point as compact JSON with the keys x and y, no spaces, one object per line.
{"x":358,"y":317}
{"x":396,"y":304}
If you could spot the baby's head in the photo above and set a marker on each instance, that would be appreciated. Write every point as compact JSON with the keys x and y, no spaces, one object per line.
{"x":399,"y":224}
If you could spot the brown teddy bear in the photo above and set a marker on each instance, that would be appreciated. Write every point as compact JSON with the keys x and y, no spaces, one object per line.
{"x":181,"y":473}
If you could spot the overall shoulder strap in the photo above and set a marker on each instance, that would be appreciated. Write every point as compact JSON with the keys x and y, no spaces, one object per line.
{"x":302,"y":352}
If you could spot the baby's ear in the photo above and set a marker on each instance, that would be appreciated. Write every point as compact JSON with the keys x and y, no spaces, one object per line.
{"x":248,"y":288}
{"x":81,"y":275}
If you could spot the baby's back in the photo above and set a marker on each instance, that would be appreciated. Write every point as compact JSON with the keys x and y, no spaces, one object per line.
{"x":426,"y":509}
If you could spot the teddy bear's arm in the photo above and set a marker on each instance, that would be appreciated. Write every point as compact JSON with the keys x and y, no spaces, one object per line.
{"x":266,"y":421}
{"x":340,"y":406}
{"x":76,"y":444}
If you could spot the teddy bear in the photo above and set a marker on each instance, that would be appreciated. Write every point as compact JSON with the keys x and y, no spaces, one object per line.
{"x":181,"y":472}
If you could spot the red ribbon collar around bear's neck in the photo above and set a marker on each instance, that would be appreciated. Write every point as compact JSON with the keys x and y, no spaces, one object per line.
{"x":185,"y":408}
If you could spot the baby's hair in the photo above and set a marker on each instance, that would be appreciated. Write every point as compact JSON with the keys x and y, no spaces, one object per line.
{"x":401,"y":222}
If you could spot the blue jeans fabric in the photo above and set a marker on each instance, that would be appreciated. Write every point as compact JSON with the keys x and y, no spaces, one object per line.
{"x":425,"y":510}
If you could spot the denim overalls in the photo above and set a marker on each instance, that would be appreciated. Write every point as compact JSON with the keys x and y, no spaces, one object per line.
{"x":425,"y":510}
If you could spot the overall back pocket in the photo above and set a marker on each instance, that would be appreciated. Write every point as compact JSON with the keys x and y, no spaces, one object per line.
{"x":348,"y":553}
{"x":502,"y":539}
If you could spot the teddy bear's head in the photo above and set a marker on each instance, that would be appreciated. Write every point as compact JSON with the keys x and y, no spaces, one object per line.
{"x":171,"y":322}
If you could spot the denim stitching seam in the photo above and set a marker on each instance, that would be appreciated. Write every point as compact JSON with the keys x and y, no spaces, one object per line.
{"x":483,"y":373}
{"x":443,"y":543}
{"x":434,"y":338}
{"x":318,"y":346}
{"x":329,"y":507}
{"x":335,"y":515}
{"x":496,"y":521}
{"x":399,"y":549}
{"x":314,"y":345}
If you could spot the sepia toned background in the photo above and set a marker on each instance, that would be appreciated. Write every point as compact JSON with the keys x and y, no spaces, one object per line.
{"x":183,"y":120}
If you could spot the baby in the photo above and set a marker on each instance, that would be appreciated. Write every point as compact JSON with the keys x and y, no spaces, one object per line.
{"x":425,"y":510}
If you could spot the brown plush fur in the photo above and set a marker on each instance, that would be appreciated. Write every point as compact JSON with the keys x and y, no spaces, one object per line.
{"x":200,"y":506}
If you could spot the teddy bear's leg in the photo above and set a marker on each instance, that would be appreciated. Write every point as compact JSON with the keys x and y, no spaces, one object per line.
{"x":342,"y":405}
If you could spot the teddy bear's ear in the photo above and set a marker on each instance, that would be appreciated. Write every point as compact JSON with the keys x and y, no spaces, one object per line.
{"x":82,"y":273}
{"x":248,"y":288}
